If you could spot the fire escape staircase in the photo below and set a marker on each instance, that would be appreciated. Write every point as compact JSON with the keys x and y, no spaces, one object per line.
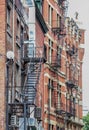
{"x":31,"y":82}
{"x":33,"y":62}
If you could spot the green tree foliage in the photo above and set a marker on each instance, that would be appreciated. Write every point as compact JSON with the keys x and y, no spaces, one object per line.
{"x":86,"y":122}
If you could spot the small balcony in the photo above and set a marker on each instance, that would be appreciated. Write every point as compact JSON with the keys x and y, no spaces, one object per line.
{"x":60,"y":108}
{"x":60,"y":1}
{"x":70,"y":83}
{"x":34,"y":54}
{"x":71,"y":50}
{"x":58,"y":27}
{"x":55,"y":61}
{"x":63,"y":4}
{"x":66,"y":110}
{"x":70,"y":111}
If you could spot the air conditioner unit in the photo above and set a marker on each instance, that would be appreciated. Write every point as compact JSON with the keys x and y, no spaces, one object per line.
{"x":40,"y":128}
{"x":37,"y":113}
{"x":32,"y":122}
{"x":14,"y":121}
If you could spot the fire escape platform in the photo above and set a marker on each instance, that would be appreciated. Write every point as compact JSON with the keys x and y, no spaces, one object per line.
{"x":71,"y":84}
{"x":21,"y":104}
{"x":34,"y":59}
{"x":60,"y":112}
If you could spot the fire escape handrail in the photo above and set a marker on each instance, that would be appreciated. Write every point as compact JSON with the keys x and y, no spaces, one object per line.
{"x":24,"y":86}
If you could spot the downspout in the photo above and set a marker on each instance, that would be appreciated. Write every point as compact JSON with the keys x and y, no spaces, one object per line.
{"x":13,"y":89}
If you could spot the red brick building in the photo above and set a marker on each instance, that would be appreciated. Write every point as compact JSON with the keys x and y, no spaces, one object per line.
{"x":54,"y":13}
{"x":63,"y":69}
{"x":41,"y":73}
{"x":18,"y":60}
{"x":11,"y":33}
{"x":2,"y":63}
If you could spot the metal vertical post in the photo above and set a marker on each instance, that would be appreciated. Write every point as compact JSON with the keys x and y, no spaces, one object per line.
{"x":25,"y":126}
{"x":65,"y":120}
{"x":6,"y":107}
{"x":7,"y":96}
{"x":13,"y":89}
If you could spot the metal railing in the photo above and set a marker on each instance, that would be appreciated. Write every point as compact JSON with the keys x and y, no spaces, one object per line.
{"x":62,"y":108}
{"x":58,"y":27}
{"x":55,"y":61}
{"x":34,"y":53}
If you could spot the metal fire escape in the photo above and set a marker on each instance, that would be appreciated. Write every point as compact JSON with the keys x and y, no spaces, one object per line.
{"x":33,"y":61}
{"x":22,"y":110}
{"x":72,"y":78}
{"x":72,"y":52}
{"x":59,"y":30}
{"x":58,"y":25}
{"x":67,"y":109}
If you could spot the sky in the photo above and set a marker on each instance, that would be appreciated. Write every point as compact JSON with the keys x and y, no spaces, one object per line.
{"x":82,"y":7}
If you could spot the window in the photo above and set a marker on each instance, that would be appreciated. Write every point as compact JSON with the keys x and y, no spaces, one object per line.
{"x":59,"y":95}
{"x":30,"y":50}
{"x":51,"y":93}
{"x":17,"y":75}
{"x":50,"y":51}
{"x":58,"y":21}
{"x":39,"y":4}
{"x":18,"y":28}
{"x":8,"y":15}
{"x":29,"y":2}
{"x":9,"y":33}
{"x":51,"y":127}
{"x":57,"y":128}
{"x":59,"y":56}
{"x":22,"y":40}
{"x":50,"y":15}
{"x":18,"y":33}
{"x":9,"y":36}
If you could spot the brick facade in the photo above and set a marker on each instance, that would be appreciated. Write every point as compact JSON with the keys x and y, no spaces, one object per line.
{"x":59,"y":111}
{"x":8,"y":32}
{"x":60,"y":108}
{"x":2,"y":63}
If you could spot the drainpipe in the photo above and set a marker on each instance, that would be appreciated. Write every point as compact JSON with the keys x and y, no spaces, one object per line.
{"x":13,"y":89}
